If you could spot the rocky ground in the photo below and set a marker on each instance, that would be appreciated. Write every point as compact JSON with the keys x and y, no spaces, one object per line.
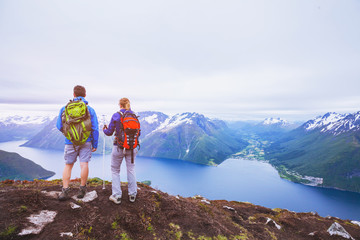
{"x":27,"y":209}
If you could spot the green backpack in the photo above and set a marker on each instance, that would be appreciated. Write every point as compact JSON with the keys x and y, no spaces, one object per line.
{"x":76,"y":122}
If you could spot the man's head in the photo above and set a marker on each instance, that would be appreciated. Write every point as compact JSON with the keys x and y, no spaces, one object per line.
{"x":79,"y":91}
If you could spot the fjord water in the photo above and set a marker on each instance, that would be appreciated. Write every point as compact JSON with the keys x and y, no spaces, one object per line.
{"x":235,"y":179}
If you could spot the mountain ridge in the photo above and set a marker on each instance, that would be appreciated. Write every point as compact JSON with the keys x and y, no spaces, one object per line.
{"x":14,"y":166}
{"x":326,"y":147}
{"x":185,"y":136}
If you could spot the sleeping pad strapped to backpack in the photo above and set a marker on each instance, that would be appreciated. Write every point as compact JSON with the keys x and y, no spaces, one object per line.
{"x":76,"y":122}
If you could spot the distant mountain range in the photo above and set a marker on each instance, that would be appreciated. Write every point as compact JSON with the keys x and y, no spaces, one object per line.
{"x":268,"y":129}
{"x":188,"y":136}
{"x":51,"y":138}
{"x":324,"y":151}
{"x":327,"y":147}
{"x":19,"y":127}
{"x":15,"y":167}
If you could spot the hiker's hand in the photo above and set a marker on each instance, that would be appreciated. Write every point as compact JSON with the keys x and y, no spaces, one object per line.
{"x":105,"y":127}
{"x":93,"y":150}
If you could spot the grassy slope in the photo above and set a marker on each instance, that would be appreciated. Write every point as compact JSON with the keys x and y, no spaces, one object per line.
{"x":14,"y":166}
{"x":334,"y":158}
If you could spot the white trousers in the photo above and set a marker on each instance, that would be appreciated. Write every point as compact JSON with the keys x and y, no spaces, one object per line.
{"x":117,"y":157}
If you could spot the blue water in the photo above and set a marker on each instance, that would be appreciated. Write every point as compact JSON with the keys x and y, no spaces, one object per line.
{"x":238,"y":180}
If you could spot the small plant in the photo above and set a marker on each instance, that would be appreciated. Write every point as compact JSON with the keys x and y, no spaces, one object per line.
{"x":278,"y":210}
{"x":190,"y":235}
{"x":272,"y":235}
{"x":206,"y":209}
{"x":252,"y":219}
{"x":147,"y":222}
{"x":204,"y":238}
{"x":23,"y":208}
{"x":115,"y":225}
{"x":220,"y":237}
{"x":10,"y":230}
{"x":124,"y":236}
{"x":175,"y":231}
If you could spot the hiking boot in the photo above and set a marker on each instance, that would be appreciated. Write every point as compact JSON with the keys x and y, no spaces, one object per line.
{"x":115,"y":199}
{"x":64,"y":195}
{"x":132,"y":198}
{"x":82,"y":192}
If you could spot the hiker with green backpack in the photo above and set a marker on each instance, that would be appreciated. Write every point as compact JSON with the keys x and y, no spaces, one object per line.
{"x":126,"y":126}
{"x":79,"y":124}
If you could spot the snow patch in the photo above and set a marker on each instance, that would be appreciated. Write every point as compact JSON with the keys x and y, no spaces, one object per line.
{"x":178,"y":119}
{"x":337,"y":229}
{"x":271,"y":121}
{"x":39,"y":220}
{"x":151,"y":119}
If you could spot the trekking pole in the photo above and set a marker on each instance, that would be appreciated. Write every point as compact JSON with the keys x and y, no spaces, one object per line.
{"x":103,"y":167}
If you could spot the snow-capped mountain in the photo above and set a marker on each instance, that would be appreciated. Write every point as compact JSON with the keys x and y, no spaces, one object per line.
{"x":24,"y":120}
{"x":334,"y":123}
{"x":187,"y":136}
{"x":149,"y":121}
{"x":192,"y":137}
{"x":21,"y":127}
{"x":184,"y":119}
{"x":275,"y":121}
{"x":326,"y":147}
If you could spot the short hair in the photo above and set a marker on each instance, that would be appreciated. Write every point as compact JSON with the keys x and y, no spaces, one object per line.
{"x":79,"y":91}
{"x":125,"y":103}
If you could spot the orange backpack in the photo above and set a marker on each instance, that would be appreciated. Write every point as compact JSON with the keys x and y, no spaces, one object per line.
{"x":131,"y":132}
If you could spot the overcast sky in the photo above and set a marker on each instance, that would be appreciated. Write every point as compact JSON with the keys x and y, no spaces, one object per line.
{"x":231,"y":59}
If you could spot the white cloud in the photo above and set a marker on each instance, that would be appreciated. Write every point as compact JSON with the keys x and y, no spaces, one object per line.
{"x":249,"y":58}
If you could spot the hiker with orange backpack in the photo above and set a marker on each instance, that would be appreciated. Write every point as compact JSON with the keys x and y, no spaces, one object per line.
{"x":126,"y":126}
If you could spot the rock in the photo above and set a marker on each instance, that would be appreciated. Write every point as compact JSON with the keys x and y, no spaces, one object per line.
{"x":89,"y":196}
{"x":177,"y":197}
{"x":206,"y":201}
{"x":229,"y":208}
{"x":269,"y":220}
{"x":355,"y":222}
{"x":39,"y":220}
{"x":312,"y":234}
{"x":66,"y":234}
{"x":196,"y":197}
{"x":74,"y":206}
{"x":53,"y":194}
{"x":337,"y":229}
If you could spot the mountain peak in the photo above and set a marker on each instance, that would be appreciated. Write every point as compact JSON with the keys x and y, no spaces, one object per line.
{"x":334,"y":123}
{"x":275,"y":121}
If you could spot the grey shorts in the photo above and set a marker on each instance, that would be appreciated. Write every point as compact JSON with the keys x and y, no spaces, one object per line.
{"x":71,"y":153}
